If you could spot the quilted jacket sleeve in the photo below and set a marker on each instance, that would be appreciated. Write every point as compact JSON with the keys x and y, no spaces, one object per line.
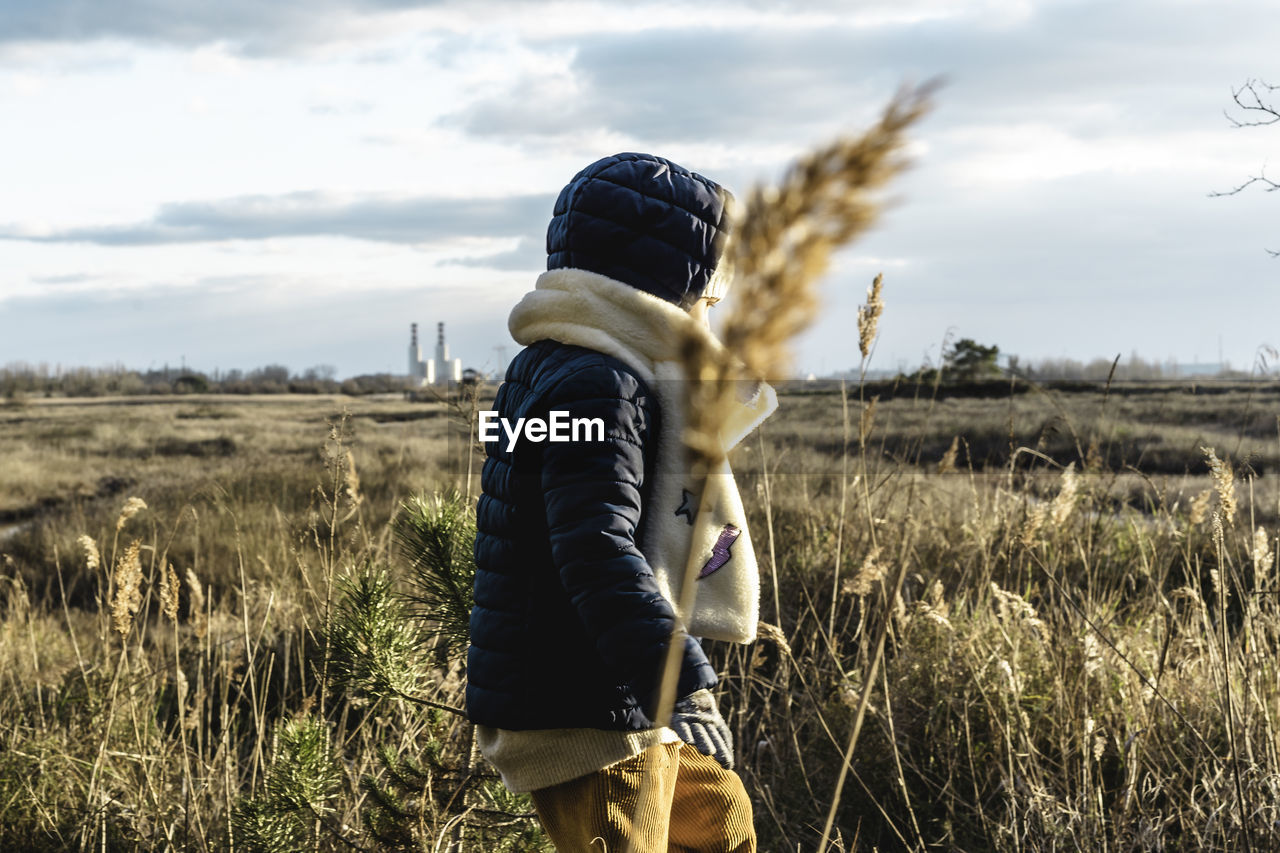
{"x":593,"y":493}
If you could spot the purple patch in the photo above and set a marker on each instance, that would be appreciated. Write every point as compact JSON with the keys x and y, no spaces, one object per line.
{"x":720,"y":551}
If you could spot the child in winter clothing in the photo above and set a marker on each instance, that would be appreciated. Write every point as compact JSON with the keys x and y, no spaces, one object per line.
{"x":582,"y":543}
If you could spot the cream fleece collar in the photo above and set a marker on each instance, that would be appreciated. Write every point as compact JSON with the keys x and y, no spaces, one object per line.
{"x":590,"y":310}
{"x":594,"y":311}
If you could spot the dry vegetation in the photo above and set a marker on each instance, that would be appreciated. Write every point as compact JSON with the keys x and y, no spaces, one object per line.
{"x":1077,"y":657}
{"x":1023,"y":622}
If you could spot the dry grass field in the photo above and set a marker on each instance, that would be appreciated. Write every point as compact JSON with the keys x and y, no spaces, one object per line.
{"x":1017,"y":623}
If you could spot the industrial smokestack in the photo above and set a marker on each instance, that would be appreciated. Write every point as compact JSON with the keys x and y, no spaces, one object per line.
{"x":417,"y":368}
{"x":447,"y":369}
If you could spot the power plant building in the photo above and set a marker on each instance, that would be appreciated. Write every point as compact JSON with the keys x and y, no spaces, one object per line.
{"x":440,"y":370}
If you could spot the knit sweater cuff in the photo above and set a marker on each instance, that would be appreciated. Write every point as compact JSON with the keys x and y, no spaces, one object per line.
{"x":531,"y":760}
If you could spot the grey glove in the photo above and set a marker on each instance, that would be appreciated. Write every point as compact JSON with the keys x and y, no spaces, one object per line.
{"x":697,"y":721}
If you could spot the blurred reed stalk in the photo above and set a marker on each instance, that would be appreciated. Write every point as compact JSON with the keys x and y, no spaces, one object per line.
{"x":781,"y":246}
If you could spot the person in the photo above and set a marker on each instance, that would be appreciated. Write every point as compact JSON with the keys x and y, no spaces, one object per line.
{"x":581,"y":543}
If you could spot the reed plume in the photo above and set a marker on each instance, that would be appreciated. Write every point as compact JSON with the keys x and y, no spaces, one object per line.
{"x":196,"y":610}
{"x":1263,"y":558}
{"x":1012,"y":606}
{"x":947,"y":463}
{"x":775,"y":635}
{"x":1036,"y":517}
{"x":869,"y":316}
{"x":1200,"y":507}
{"x":128,"y":580}
{"x":783,"y":242}
{"x":169,"y":594}
{"x":92,"y":558}
{"x":1224,"y":483}
{"x":871,"y":572}
{"x":131,"y":508}
{"x":1219,"y":542}
{"x":1065,"y":501}
{"x":352,"y":478}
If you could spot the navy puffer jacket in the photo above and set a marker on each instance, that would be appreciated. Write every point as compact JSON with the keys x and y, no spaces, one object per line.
{"x":569,"y":629}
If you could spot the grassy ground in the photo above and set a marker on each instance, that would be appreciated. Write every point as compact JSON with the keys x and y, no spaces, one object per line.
{"x":1039,"y":620}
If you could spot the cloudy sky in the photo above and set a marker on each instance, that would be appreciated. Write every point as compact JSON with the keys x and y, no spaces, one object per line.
{"x":240,"y":183}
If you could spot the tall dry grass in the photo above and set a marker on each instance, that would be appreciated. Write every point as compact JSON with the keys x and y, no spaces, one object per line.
{"x":1102,"y":679}
{"x":1078,"y":683}
{"x":187,"y":697}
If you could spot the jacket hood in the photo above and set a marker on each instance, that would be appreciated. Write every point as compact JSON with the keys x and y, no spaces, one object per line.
{"x":644,"y":221}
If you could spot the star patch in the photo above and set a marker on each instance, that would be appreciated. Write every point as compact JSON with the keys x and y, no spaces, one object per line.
{"x":686,"y":506}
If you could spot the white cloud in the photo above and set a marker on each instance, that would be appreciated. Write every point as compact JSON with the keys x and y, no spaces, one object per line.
{"x":1022,"y":155}
{"x":394,"y":219}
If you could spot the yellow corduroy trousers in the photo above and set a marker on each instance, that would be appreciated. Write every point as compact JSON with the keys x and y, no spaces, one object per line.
{"x":693,"y":805}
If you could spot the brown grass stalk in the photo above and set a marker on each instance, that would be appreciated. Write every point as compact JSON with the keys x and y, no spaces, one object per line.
{"x":782,"y":245}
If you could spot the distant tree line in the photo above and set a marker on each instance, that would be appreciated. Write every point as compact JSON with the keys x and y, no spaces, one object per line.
{"x":20,"y":379}
{"x":967,"y":361}
{"x":1131,"y":369}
